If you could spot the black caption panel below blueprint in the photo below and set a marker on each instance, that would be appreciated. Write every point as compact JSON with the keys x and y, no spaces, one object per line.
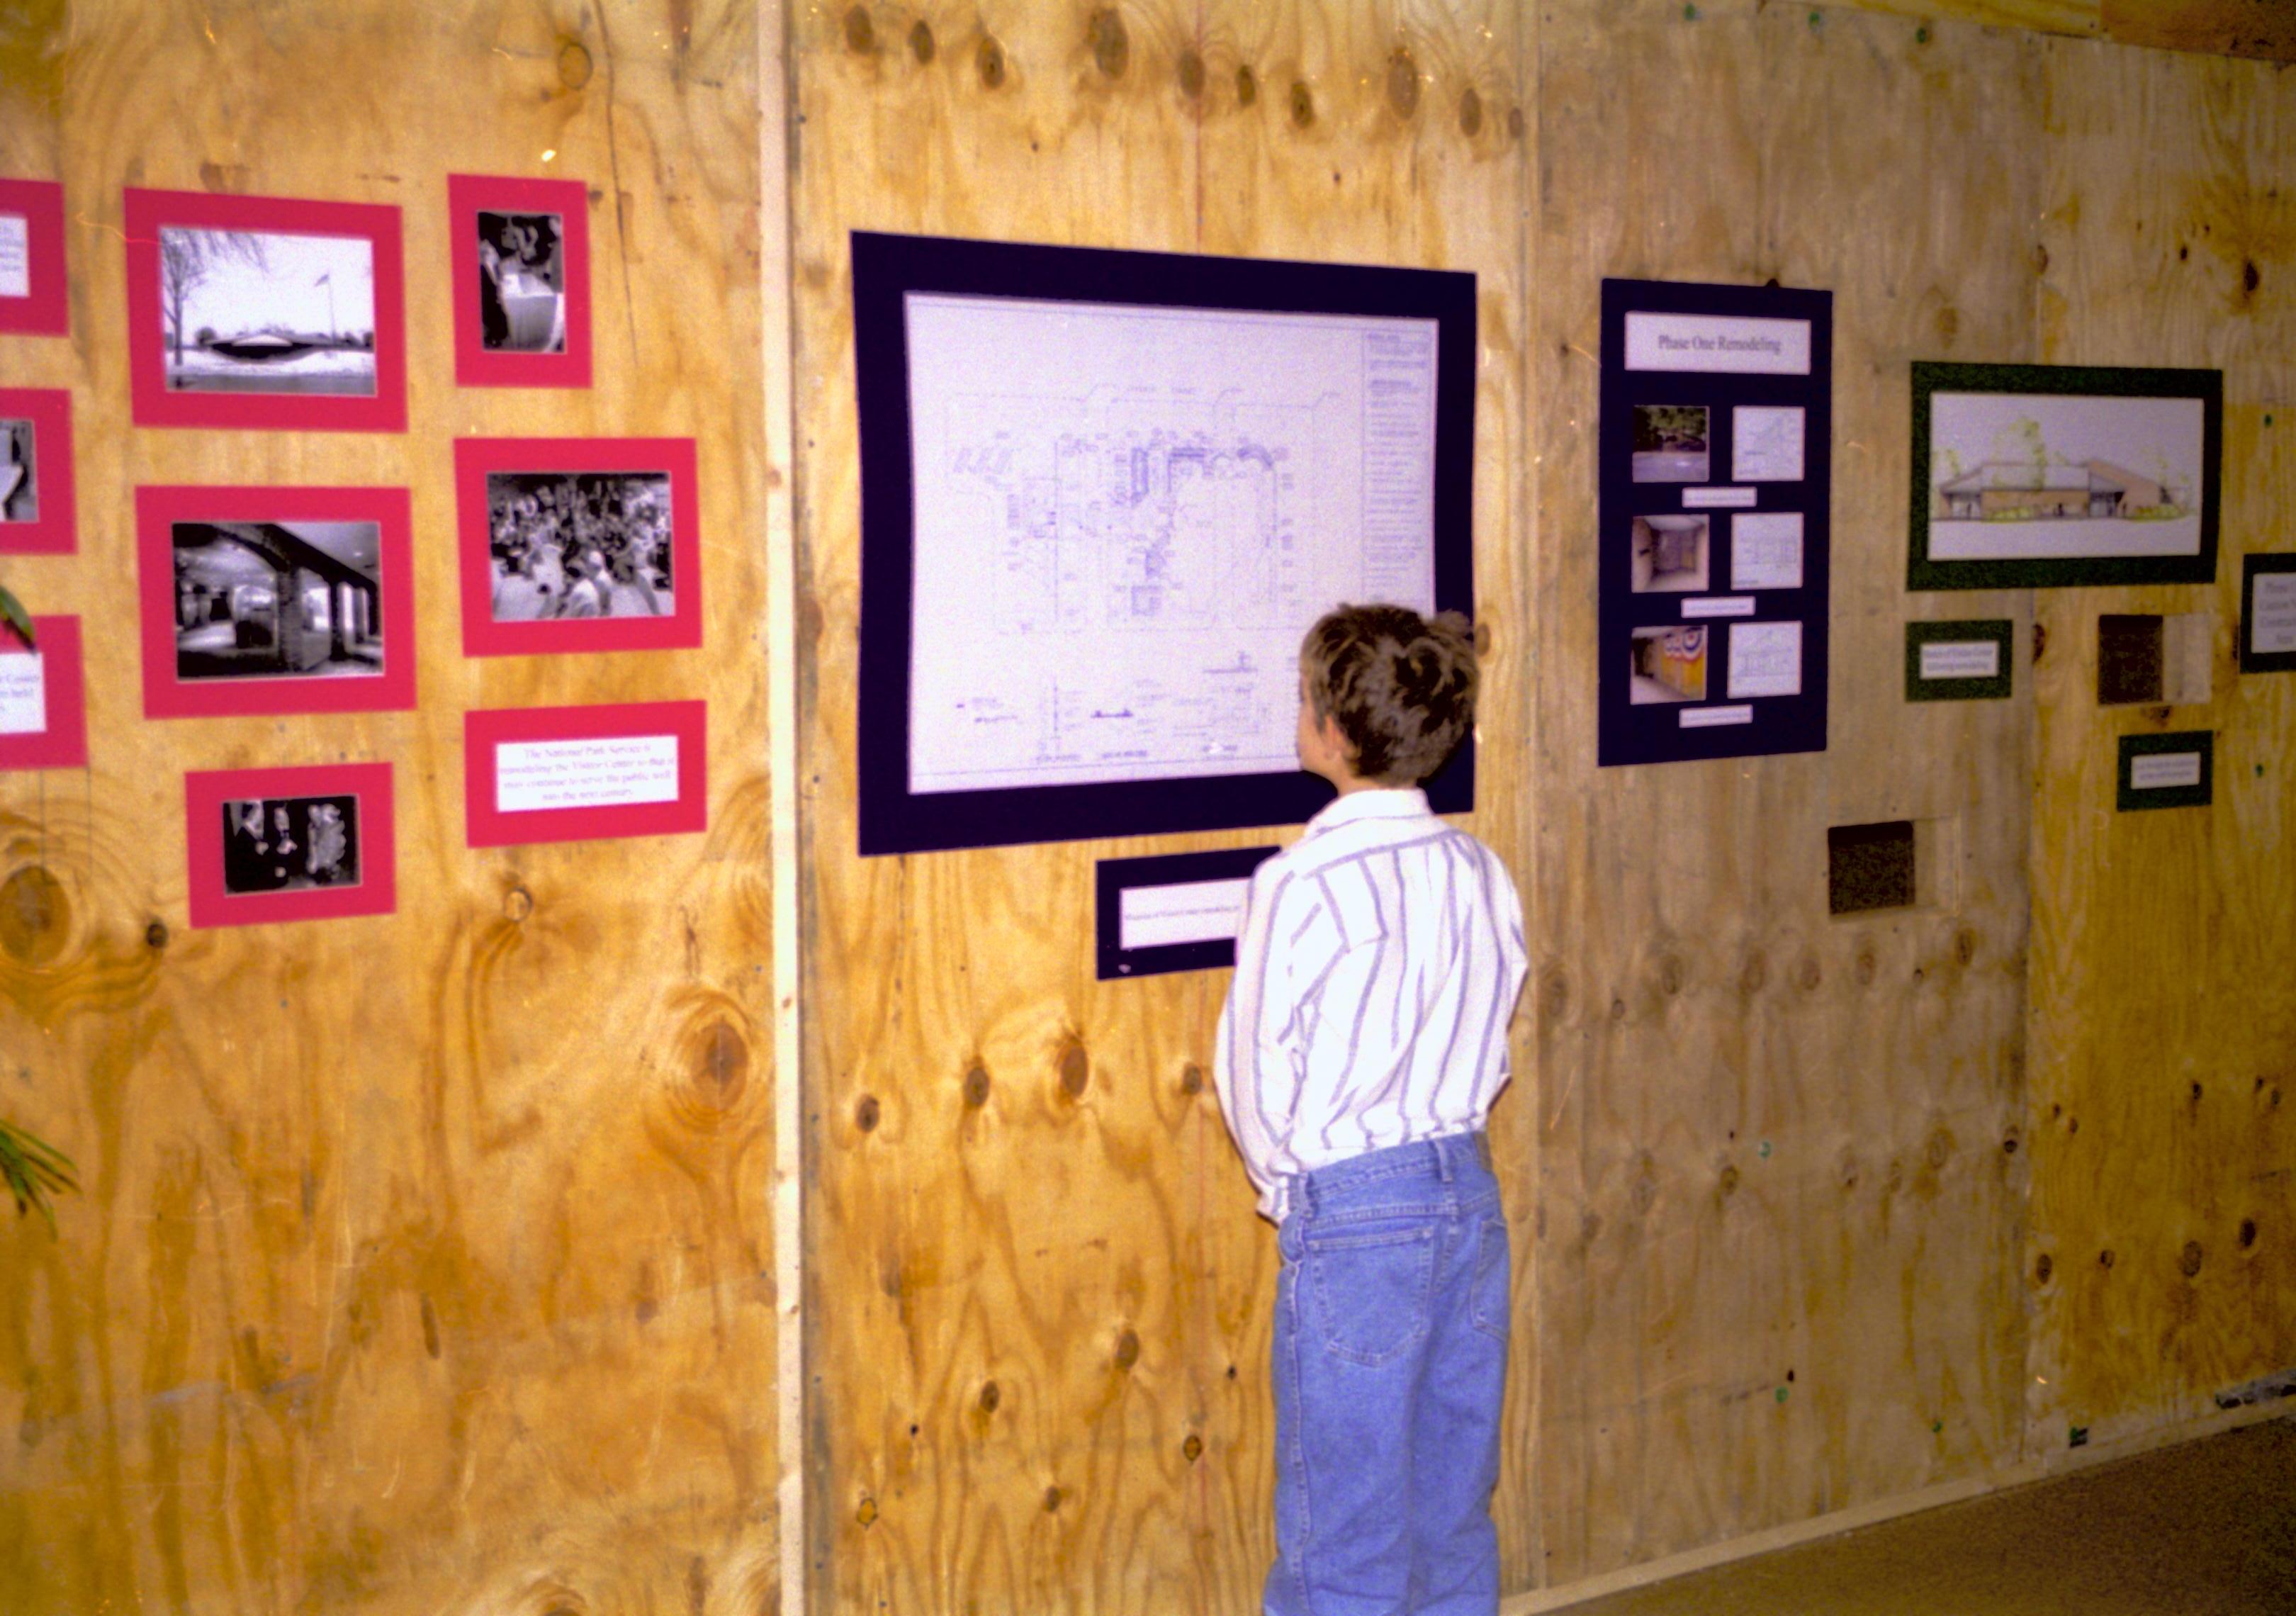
{"x":1104,"y":495}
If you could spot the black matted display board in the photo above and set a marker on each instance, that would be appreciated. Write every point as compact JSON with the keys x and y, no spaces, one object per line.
{"x":1969,"y":660}
{"x":2173,"y":770}
{"x":1716,"y":462}
{"x":1194,"y":929}
{"x":895,"y":275}
{"x":2267,"y":613}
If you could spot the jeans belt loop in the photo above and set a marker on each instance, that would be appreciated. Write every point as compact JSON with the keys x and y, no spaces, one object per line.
{"x":1443,"y":1164}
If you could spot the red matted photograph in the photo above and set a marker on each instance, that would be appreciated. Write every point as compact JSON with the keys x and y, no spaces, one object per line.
{"x":266,"y":312}
{"x":259,"y":600}
{"x":578,"y":544}
{"x":519,"y":252}
{"x":585,"y":773}
{"x":271,"y":844}
{"x":36,"y":472}
{"x":32,"y":298}
{"x":43,"y":697}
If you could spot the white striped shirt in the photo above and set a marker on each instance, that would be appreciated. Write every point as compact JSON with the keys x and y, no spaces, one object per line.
{"x":1375,"y":975}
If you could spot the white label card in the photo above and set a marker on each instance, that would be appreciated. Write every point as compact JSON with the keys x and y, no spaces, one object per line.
{"x":1185,"y":912}
{"x":1717,"y":342}
{"x":1766,"y":443}
{"x":1718,"y":499}
{"x":1765,"y":550}
{"x":23,"y":693}
{"x":1961,"y":660}
{"x":2163,"y":771}
{"x":607,"y":771}
{"x":1714,"y":717}
{"x":2272,"y":609}
{"x":16,"y":256}
{"x":1719,"y":605}
{"x":1765,"y":659}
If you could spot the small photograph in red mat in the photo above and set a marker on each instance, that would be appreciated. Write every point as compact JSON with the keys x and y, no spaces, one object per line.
{"x":578,"y":544}
{"x":43,"y":697}
{"x":277,"y":844}
{"x":585,"y":773}
{"x":36,"y":472}
{"x":261,"y":600}
{"x":257,"y":311}
{"x":33,"y":302}
{"x":521,"y":263}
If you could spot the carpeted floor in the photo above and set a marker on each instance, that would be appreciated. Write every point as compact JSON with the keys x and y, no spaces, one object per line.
{"x":2207,"y":1528}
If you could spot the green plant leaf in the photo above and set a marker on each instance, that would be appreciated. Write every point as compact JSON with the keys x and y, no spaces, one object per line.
{"x":34,"y":1172}
{"x":18,"y":619}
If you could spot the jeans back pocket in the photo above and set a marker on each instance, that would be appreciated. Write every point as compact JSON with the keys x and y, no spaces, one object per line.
{"x":1370,"y":1291}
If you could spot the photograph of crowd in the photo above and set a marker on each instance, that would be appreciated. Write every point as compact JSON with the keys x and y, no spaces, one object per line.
{"x":521,"y":283}
{"x":19,"y":481}
{"x":579,"y":544}
{"x":290,"y":844}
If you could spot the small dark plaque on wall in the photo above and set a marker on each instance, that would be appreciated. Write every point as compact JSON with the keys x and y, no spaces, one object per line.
{"x":2167,"y":771}
{"x":2267,"y":613}
{"x":1171,"y":912}
{"x":1957,"y":661}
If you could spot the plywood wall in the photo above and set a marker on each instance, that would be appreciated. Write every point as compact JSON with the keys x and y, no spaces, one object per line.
{"x":424,"y":1261}
{"x":2160,"y":1258}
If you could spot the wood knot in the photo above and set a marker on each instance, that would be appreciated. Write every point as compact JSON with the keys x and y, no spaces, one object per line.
{"x":2043,"y":1267}
{"x":1402,"y":82}
{"x":2188,"y":1262}
{"x":921,"y":43}
{"x":1192,"y":1079}
{"x":860,"y":33}
{"x":1052,"y":1499}
{"x":991,"y":1395}
{"x":1807,"y":973}
{"x":976,"y":1086}
{"x":1190,"y":72}
{"x":867,"y":1514}
{"x":1948,"y":324}
{"x":1729,"y":1181}
{"x":1127,"y":1349}
{"x":35,"y":915}
{"x":2247,"y":1232}
{"x":1303,"y":104}
{"x":866,"y":1113}
{"x":1964,"y":946}
{"x":1754,"y":974}
{"x":1514,"y":123}
{"x":1670,"y":976}
{"x":574,"y":66}
{"x":2250,"y":277}
{"x":1938,"y":1148}
{"x":721,"y":1067}
{"x":1111,"y":46}
{"x":518,"y":903}
{"x":1554,"y":993}
{"x":989,"y":60}
{"x":1862,"y":969}
{"x":1076,"y":1070}
{"x":155,"y":935}
{"x":1470,"y":113}
{"x":1192,"y":1448}
{"x":2105,"y":1258}
{"x":1247,"y":86}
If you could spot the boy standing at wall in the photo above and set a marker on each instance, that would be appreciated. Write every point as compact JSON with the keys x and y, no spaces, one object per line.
{"x":1362,"y":1043}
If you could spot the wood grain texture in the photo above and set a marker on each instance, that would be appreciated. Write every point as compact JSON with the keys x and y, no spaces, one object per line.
{"x":2159,"y":1259}
{"x":1779,"y":1204}
{"x":1038,"y":1294}
{"x":422,"y":1264}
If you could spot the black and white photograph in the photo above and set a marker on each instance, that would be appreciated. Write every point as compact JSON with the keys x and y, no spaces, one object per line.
{"x":1670,"y":664}
{"x":1670,"y":553}
{"x":521,"y":283}
{"x":247,"y":311}
{"x":20,"y":476}
{"x":1670,"y":443}
{"x":567,"y":545}
{"x":290,"y":844}
{"x":270,"y":600}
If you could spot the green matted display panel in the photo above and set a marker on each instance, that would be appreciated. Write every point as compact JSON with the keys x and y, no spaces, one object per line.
{"x":1963,"y":661}
{"x":2042,"y":476}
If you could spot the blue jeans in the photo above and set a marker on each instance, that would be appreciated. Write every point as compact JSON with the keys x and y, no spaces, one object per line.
{"x":1389,"y":1361}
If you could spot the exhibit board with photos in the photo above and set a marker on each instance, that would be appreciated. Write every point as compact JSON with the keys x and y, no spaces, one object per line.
{"x":1714,"y":455}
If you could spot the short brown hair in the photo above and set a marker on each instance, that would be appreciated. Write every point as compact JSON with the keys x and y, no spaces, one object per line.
{"x":1400,"y":687}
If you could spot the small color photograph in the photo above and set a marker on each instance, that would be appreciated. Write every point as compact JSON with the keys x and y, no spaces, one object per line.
{"x":1670,"y":443}
{"x":250,"y":311}
{"x":290,"y":844}
{"x":269,"y":600}
{"x":571,"y":544}
{"x":521,"y":283}
{"x":1669,"y":553}
{"x":20,"y":476}
{"x":1670,"y":664}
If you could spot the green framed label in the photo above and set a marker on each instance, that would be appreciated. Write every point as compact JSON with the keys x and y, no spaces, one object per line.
{"x":1966,"y":661}
{"x":2041,"y":476}
{"x":2175,"y":770}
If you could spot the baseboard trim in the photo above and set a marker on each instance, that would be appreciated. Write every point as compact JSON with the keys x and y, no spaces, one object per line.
{"x":1792,"y":1536}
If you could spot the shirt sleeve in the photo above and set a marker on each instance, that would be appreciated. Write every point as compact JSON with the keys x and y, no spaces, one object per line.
{"x":1259,"y":1063}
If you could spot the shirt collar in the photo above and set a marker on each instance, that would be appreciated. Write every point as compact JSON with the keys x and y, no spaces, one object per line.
{"x":1379,"y":802}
